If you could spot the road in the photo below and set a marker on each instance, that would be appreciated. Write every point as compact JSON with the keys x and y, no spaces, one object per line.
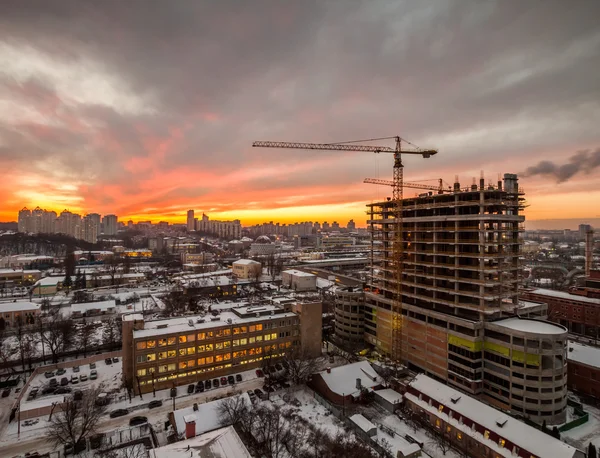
{"x":38,"y":444}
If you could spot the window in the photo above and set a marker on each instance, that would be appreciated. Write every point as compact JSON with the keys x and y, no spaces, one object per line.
{"x":226,"y":332}
{"x":251,"y":340}
{"x":141,"y":359}
{"x":274,"y":336}
{"x":438,"y":423}
{"x":219,"y":358}
{"x":191,"y":362}
{"x":191,"y":350}
{"x":171,"y":354}
{"x":219,"y":333}
{"x":209,"y":334}
{"x":151,"y":356}
{"x":226,"y":344}
{"x":252,"y":328}
{"x":182,"y":352}
{"x":209,"y":360}
{"x":236,"y":343}
{"x":259,"y":327}
{"x":288,"y":344}
{"x":441,"y":408}
{"x":141,"y":345}
{"x":459,"y":435}
{"x":227,"y":356}
{"x":219,"y":346}
{"x":191,"y":337}
{"x":258,"y":350}
{"x":501,"y":442}
{"x":267,"y":336}
{"x":201,"y":361}
{"x":236,"y":331}
{"x":243,"y":341}
{"x":183,"y":365}
{"x":182,"y":339}
{"x":209,"y":347}
{"x":243,"y":329}
{"x":448,"y":428}
{"x":162,"y":342}
{"x":201,"y":336}
{"x":162,"y":355}
{"x":171,"y":340}
{"x":486,"y":435}
{"x":172,"y":367}
{"x":151,"y":344}
{"x":162,"y":369}
{"x":259,"y":338}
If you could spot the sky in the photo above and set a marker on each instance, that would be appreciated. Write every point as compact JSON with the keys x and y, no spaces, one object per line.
{"x":148,"y":109}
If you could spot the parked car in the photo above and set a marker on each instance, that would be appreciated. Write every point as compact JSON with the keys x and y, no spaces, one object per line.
{"x":5,"y":392}
{"x":223,"y":380}
{"x":64,"y":381}
{"x":216,"y":383}
{"x":48,"y":390}
{"x":115,"y":360}
{"x":108,"y":361}
{"x":62,"y":390}
{"x":207,"y":385}
{"x":53,"y":382}
{"x":93,"y":374}
{"x":83,"y":378}
{"x":96,"y":441}
{"x":49,"y":374}
{"x":119,"y":413}
{"x":92,"y":365}
{"x":102,"y":399}
{"x":279,"y":367}
{"x":155,"y":404}
{"x":191,"y":388}
{"x":259,"y":373}
{"x":238,"y":377}
{"x":139,"y":420}
{"x":74,"y":379}
{"x":286,"y":384}
{"x":61,"y":371}
{"x":78,"y":396}
{"x":75,"y":368}
{"x":231,"y":380}
{"x":269,"y":389}
{"x":199,"y":387}
{"x":258,"y":392}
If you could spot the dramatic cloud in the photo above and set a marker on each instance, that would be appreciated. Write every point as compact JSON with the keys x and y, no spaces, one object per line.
{"x":115,"y":106}
{"x":582,"y":161}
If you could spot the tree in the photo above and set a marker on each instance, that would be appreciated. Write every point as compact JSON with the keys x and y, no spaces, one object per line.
{"x":441,"y":439}
{"x":77,"y":282}
{"x":300,"y":365}
{"x":57,"y":334}
{"x":235,"y":410}
{"x":67,"y":283}
{"x":76,"y":420}
{"x":592,"y":452}
{"x":556,"y":432}
{"x":70,"y":262}
{"x":111,"y":332}
{"x":86,"y":336}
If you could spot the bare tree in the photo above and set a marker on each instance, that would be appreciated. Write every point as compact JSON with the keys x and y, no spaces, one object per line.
{"x":57,"y":334}
{"x":111,"y":331}
{"x":76,"y":420}
{"x":132,"y":451}
{"x":235,"y":410}
{"x":300,"y":365}
{"x":86,"y":336}
{"x":441,"y":440}
{"x":175,"y":301}
{"x":21,"y":333}
{"x":274,"y":431}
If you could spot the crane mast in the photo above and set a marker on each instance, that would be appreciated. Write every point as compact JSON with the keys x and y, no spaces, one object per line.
{"x":397,"y":238}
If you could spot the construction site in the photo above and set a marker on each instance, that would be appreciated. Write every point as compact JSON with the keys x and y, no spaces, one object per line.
{"x":442,"y":297}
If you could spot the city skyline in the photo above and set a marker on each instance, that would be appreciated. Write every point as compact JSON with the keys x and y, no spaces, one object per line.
{"x":152,"y":121}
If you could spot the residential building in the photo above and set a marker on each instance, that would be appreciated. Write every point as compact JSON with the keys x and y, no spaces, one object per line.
{"x":11,"y":312}
{"x":158,"y":354}
{"x":197,"y":258}
{"x":219,"y":443}
{"x":110,"y":224}
{"x":247,"y":269}
{"x":89,"y":228}
{"x":24,"y":215}
{"x":191,"y":221}
{"x":345,"y":384}
{"x":9,"y":277}
{"x":460,"y":319}
{"x":476,"y":428}
{"x":584,"y":369}
{"x":583,"y":230}
{"x":351,"y":225}
{"x":349,"y":316}
{"x":223,"y":229}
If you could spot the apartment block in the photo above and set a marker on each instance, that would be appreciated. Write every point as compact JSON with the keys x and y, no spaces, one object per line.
{"x":158,"y":354}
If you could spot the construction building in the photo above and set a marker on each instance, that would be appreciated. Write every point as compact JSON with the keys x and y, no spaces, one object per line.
{"x":459,"y":318}
{"x":178,"y":351}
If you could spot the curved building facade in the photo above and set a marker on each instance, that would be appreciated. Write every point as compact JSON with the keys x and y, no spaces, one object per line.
{"x":525,"y":369}
{"x":349,"y":316}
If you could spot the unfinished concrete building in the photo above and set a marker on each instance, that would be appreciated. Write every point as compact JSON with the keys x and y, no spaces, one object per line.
{"x":460,"y":277}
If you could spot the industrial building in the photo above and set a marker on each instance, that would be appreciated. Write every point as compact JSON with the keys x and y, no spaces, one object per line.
{"x":460,"y":319}
{"x":184,"y":350}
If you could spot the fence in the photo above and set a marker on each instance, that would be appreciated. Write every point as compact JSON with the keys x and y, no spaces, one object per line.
{"x":583,"y":417}
{"x":329,"y":406}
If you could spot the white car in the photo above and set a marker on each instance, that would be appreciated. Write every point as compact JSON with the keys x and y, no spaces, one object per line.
{"x":74,"y":379}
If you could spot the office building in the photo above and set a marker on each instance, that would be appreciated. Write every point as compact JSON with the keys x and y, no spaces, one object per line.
{"x":191,"y":221}
{"x":158,"y":354}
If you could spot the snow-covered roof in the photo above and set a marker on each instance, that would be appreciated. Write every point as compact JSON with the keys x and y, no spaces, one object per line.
{"x":522,"y":435}
{"x":49,"y":281}
{"x":565,"y":295}
{"x":182,"y":324}
{"x":85,"y":306}
{"x":397,"y":443}
{"x":584,"y":354}
{"x":533,"y":326}
{"x":298,"y":273}
{"x":362,"y":422}
{"x":342,"y":380}
{"x":220,"y":443}
{"x":206,"y":417}
{"x":389,"y":395}
{"x":20,"y":306}
{"x":245,"y":262}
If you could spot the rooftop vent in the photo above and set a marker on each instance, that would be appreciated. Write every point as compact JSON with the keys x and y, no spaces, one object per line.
{"x":191,"y":322}
{"x":501,"y":421}
{"x":229,"y":320}
{"x":455,"y":399}
{"x":200,"y":320}
{"x":215,"y":318}
{"x":162,"y":326}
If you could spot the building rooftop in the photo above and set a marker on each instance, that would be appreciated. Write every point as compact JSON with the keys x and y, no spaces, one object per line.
{"x":49,"y":281}
{"x":362,"y":422}
{"x":533,"y":326}
{"x":389,"y":395}
{"x":198,"y":322}
{"x":220,"y":443}
{"x":242,"y":262}
{"x":19,"y":306}
{"x":85,"y":306}
{"x":565,"y":295}
{"x":584,"y":354}
{"x":526,"y":437}
{"x":298,"y":273}
{"x":342,"y":380}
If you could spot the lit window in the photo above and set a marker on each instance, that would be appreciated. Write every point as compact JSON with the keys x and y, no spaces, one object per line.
{"x":182,"y":352}
{"x":172,"y":367}
{"x":141,"y":345}
{"x":448,"y":428}
{"x":162,"y":369}
{"x":267,"y":336}
{"x":201,"y":336}
{"x":191,"y":362}
{"x":236,"y":331}
{"x":227,"y":332}
{"x":243,"y":329}
{"x":141,"y":372}
{"x":219,"y":358}
{"x":288,"y":344}
{"x":219,"y":346}
{"x":226,"y":344}
{"x":209,"y":347}
{"x":183,"y":365}
{"x":501,"y":442}
{"x":171,"y":354}
{"x":219,"y":333}
{"x":486,"y":435}
{"x":274,"y":336}
{"x":171,"y":340}
{"x":162,"y":342}
{"x":227,"y":356}
{"x":437,"y":423}
{"x":162,"y":355}
{"x":209,"y":360}
{"x":201,"y":348}
{"x":251,"y":340}
{"x":201,"y":361}
{"x":459,"y":435}
{"x":259,"y":327}
{"x":191,"y":350}
{"x":151,"y":356}
{"x":191,"y":337}
{"x":209,"y":334}
{"x":243,"y":341}
{"x":236,"y":343}
{"x":441,"y":408}
{"x":252,"y":328}
{"x":182,"y":339}
{"x":259,"y":338}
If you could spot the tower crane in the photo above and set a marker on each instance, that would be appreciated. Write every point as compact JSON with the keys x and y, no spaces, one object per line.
{"x":397,"y":242}
{"x":439,"y":188}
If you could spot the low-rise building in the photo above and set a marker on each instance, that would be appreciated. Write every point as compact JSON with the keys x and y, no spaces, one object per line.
{"x":47,"y":286}
{"x":584,"y":369}
{"x":298,"y":280}
{"x":476,"y":428}
{"x":93,"y":308}
{"x":344,"y":384}
{"x":246,"y":269}
{"x":220,"y":443}
{"x":160,"y":353}
{"x":18,"y":276}
{"x":11,"y":312}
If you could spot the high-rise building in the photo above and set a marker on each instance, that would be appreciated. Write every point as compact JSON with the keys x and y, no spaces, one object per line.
{"x":335,"y":226}
{"x":351,"y":225}
{"x":325,"y":226}
{"x":583,"y":230}
{"x":191,"y":225}
{"x":224,"y":229}
{"x":96,"y":219}
{"x":459,"y":317}
{"x":24,"y":215}
{"x":69,"y":224}
{"x":89,"y":229}
{"x":110,"y":224}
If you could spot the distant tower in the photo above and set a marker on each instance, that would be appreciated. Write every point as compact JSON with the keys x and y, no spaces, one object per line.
{"x":110,"y":223}
{"x":24,"y":216}
{"x":191,"y":224}
{"x":351,"y":225}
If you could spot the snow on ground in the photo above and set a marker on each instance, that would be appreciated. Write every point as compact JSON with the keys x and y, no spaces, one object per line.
{"x":582,"y":435}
